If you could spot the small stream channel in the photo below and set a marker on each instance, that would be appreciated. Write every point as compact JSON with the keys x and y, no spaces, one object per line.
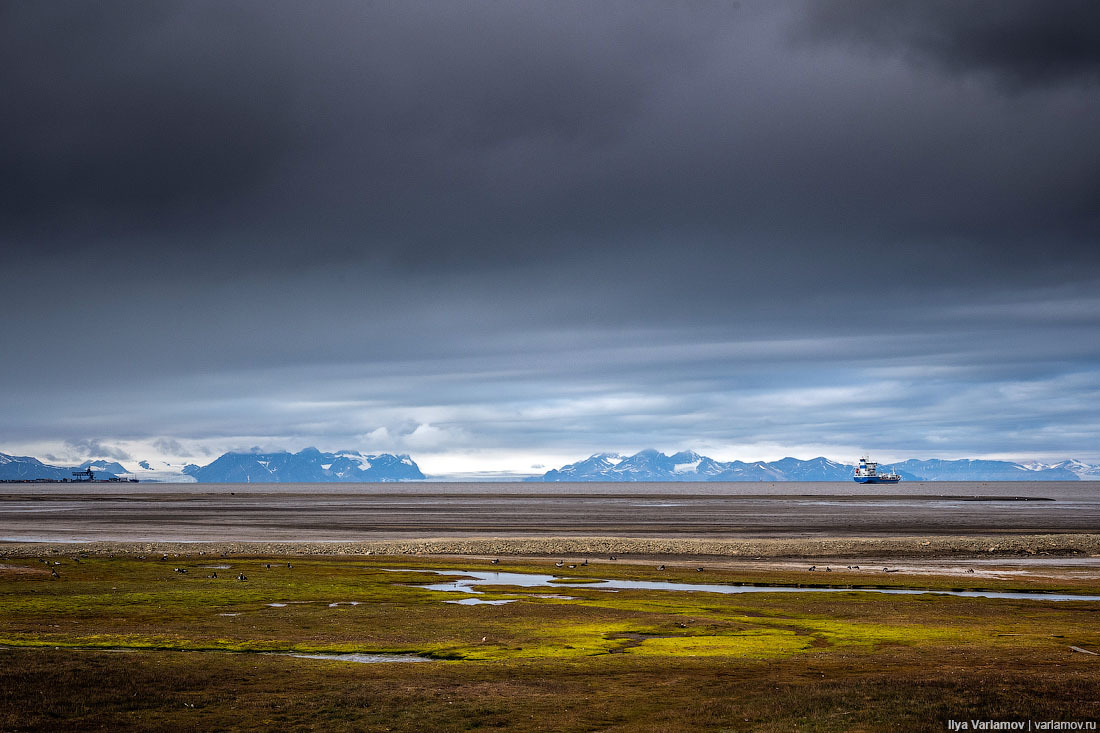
{"x":470,"y":579}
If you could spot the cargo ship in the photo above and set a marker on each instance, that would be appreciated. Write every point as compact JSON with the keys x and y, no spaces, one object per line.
{"x":867,"y":473}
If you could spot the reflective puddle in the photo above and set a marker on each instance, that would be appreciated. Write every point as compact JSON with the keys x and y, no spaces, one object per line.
{"x":357,"y":658}
{"x":469,"y":580}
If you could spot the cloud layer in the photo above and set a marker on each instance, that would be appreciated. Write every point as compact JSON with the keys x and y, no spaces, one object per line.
{"x":525,"y":230}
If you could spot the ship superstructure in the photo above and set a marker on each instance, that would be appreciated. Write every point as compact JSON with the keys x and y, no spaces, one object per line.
{"x":867,"y":473}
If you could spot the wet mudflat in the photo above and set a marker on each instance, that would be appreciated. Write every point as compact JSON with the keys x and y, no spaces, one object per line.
{"x":324,"y":512}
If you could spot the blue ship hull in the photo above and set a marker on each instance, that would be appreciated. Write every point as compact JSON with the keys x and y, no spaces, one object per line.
{"x":875,"y":480}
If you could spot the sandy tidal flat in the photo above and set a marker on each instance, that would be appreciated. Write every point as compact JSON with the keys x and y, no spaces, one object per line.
{"x":674,"y":512}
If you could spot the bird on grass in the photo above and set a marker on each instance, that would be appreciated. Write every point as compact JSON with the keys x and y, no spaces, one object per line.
{"x":241,"y":577}
{"x":661,"y":568}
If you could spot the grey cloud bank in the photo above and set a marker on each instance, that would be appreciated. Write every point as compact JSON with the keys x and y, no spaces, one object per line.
{"x":508,"y":234}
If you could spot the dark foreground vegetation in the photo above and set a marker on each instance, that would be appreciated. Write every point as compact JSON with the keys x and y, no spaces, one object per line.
{"x":133,"y":644}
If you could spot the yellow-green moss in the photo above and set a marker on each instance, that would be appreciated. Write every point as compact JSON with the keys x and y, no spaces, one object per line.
{"x":144,"y":604}
{"x":756,"y":644}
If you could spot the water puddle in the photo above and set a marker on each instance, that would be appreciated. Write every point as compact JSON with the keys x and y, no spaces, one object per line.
{"x":480,"y":602}
{"x":473,"y":578}
{"x":358,"y":658}
{"x":216,"y":567}
{"x":343,"y":603}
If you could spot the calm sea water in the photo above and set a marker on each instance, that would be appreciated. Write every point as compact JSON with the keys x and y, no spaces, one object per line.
{"x":1086,"y":491}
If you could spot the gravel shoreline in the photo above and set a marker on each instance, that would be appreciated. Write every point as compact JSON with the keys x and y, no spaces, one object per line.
{"x":1064,"y":545}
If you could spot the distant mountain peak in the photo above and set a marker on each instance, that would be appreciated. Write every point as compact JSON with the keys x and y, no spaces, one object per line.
{"x":309,"y":465}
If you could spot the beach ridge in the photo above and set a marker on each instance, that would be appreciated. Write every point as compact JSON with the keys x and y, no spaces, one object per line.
{"x":1059,"y":544}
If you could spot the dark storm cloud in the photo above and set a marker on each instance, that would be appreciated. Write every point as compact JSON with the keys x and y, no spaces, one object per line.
{"x":266,"y":218}
{"x":132,"y":114}
{"x":427,"y":136}
{"x":264,"y":138}
{"x":158,"y":118}
{"x":1025,"y":44}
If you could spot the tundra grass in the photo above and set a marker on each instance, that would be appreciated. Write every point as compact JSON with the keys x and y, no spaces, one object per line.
{"x":630,"y":660}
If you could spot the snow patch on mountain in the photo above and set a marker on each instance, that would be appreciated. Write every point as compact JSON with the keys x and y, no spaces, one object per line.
{"x":1082,"y":470}
{"x":161,"y":472}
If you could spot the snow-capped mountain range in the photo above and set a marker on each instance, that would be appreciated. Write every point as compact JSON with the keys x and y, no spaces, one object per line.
{"x":306,"y":466}
{"x":313,"y":466}
{"x":1084,"y":471}
{"x":651,"y":465}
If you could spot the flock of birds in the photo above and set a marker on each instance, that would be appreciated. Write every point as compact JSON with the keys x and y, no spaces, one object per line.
{"x":180,"y":571}
{"x":561,"y":564}
{"x":812,"y":568}
{"x":495,"y":561}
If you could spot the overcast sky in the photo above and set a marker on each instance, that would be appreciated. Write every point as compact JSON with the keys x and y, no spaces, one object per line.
{"x":502,"y":235}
